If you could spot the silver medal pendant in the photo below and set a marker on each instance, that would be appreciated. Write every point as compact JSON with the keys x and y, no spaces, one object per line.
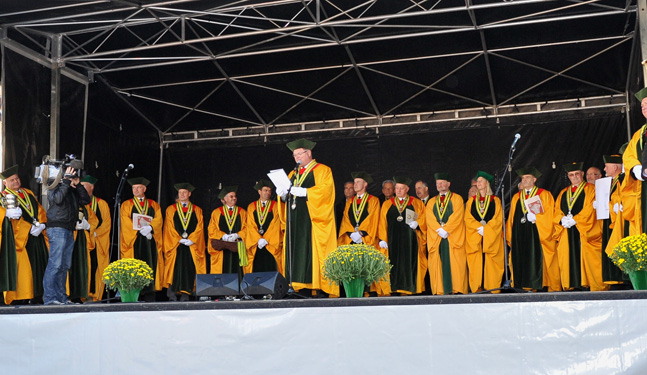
{"x":185,"y":235}
{"x":294,"y":205}
{"x":523,"y":219}
{"x":357,"y":228}
{"x":36,"y":223}
{"x":483,"y":222}
{"x":261,"y":231}
{"x":570,"y":215}
{"x":400,"y":218}
{"x":442,"y":224}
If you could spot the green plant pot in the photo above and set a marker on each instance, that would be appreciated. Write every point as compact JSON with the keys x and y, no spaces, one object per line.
{"x":354,"y":288}
{"x":638,"y":279}
{"x":131,"y":295}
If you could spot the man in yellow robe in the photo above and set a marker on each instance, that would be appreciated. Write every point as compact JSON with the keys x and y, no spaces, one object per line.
{"x":360,"y":221}
{"x":445,"y":217}
{"x":533,"y":255}
{"x":184,"y":247}
{"x":403,"y":234}
{"x":228,"y":223}
{"x":30,"y":241}
{"x":634,"y":207}
{"x":264,"y":237}
{"x":484,"y":236}
{"x":100,"y":254}
{"x":145,"y":243}
{"x":310,"y":233}
{"x":578,"y":235}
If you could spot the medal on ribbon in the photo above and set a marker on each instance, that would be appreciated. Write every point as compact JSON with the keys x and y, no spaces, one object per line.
{"x":401,"y":206}
{"x":482,"y":208}
{"x":184,"y":217}
{"x":357,"y":210}
{"x":230,"y":218}
{"x":261,"y":214}
{"x":522,"y":198}
{"x":572,"y":197}
{"x":441,"y":207}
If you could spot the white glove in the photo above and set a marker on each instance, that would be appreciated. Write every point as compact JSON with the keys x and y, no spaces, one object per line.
{"x":564,"y":222}
{"x":442,"y":233}
{"x":616,"y":207}
{"x":186,"y":242}
{"x":149,"y":236}
{"x":261,"y":243}
{"x":384,"y":245}
{"x":14,"y":213}
{"x":356,"y":237}
{"x":572,"y":222}
{"x":227,"y":237}
{"x":413,"y":225}
{"x":281,"y":193}
{"x":480,"y":230}
{"x":146,"y":230}
{"x":531,"y":217}
{"x":36,"y":230}
{"x":638,"y":172}
{"x":595,"y":205}
{"x":234,"y":236}
{"x":83,"y":225}
{"x":298,"y":191}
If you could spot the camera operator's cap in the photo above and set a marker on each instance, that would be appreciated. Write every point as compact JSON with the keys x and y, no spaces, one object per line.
{"x":138,"y":181}
{"x":301,"y":143}
{"x":612,"y":159}
{"x":226,"y":190}
{"x":528,"y":170}
{"x":9,"y":172}
{"x":89,"y":179}
{"x":485,"y":175}
{"x":443,"y":176}
{"x":572,"y":167}
{"x":402,"y":180}
{"x":642,"y":94}
{"x":263,"y":183}
{"x":363,"y":175}
{"x":185,"y":186}
{"x":623,"y":148}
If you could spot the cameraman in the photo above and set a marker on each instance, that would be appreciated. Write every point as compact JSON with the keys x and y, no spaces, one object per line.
{"x":62,"y":215}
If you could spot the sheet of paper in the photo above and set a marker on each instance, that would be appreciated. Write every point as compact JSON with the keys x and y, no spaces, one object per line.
{"x":410,"y":215}
{"x":534,"y":205}
{"x":279,"y":179}
{"x":602,"y":196}
{"x":140,"y":221}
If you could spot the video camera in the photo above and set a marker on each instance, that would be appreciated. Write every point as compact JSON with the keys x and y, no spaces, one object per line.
{"x":52,"y":169}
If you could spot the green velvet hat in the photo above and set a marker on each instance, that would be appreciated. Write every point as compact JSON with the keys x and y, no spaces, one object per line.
{"x":613,"y":159}
{"x":226,"y":190}
{"x":528,"y":170}
{"x":9,"y":172}
{"x":570,"y":167}
{"x":485,"y":175}
{"x":89,"y":179}
{"x":642,"y":94}
{"x":301,"y":143}
{"x":443,"y":176}
{"x":623,"y":148}
{"x":138,"y":181}
{"x":184,"y":185}
{"x":363,"y":175}
{"x":263,"y":183}
{"x":402,"y":180}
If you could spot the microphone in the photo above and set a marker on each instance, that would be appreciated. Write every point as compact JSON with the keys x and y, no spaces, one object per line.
{"x":516,"y":139}
{"x":130,"y":167}
{"x":296,"y":167}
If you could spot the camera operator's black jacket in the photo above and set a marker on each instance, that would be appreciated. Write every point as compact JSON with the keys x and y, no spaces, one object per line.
{"x":64,"y":202}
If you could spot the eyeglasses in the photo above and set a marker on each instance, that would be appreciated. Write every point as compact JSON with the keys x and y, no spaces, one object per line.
{"x":299,"y":153}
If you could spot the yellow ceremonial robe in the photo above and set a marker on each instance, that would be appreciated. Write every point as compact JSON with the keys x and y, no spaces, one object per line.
{"x":25,"y":281}
{"x":590,"y":240}
{"x":216,"y":233}
{"x":172,"y":240}
{"x":321,"y":208}
{"x":369,"y":226}
{"x":545,"y":229}
{"x":454,"y":225}
{"x":101,"y":246}
{"x":421,"y":237}
{"x":632,"y":188}
{"x":272,"y":235}
{"x":618,"y":219}
{"x":129,"y":235}
{"x":489,"y":269}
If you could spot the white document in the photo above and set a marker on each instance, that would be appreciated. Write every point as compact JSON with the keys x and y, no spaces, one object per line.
{"x":410,"y":215}
{"x":280,"y":179}
{"x":140,"y":221}
{"x":602,"y":196}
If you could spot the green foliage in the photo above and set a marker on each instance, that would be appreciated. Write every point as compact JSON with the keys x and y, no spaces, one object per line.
{"x":350,"y":262}
{"x":629,"y":253}
{"x":127,"y":274}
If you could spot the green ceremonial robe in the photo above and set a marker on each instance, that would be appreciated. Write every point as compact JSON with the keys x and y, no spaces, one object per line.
{"x":8,"y":258}
{"x":298,"y":231}
{"x":230,"y":260}
{"x":610,"y":272}
{"x":574,"y":242}
{"x":37,"y":250}
{"x":184,"y":271}
{"x":78,"y":273}
{"x":146,"y":250}
{"x":264,"y":261}
{"x":527,"y":254}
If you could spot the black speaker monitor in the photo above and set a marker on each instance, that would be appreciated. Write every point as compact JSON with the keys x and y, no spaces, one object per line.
{"x":264,"y":283}
{"x":216,"y":285}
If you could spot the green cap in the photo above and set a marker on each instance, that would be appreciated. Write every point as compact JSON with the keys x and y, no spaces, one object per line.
{"x":363,"y":175}
{"x":226,"y":190}
{"x":623,"y":148}
{"x":263,"y":183}
{"x":138,"y":181}
{"x":89,"y":179}
{"x":579,"y":166}
{"x":642,"y":94}
{"x":528,"y":170}
{"x":9,"y":172}
{"x":485,"y":175}
{"x":301,"y":143}
{"x":402,"y":180}
{"x":443,"y":176}
{"x":612,"y":159}
{"x":184,"y":185}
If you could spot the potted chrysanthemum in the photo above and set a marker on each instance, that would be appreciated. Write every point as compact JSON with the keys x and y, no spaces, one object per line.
{"x":630,"y":254}
{"x":128,"y":276}
{"x":355,"y":266}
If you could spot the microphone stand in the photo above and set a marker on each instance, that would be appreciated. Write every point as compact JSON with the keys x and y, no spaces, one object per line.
{"x":115,"y":247}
